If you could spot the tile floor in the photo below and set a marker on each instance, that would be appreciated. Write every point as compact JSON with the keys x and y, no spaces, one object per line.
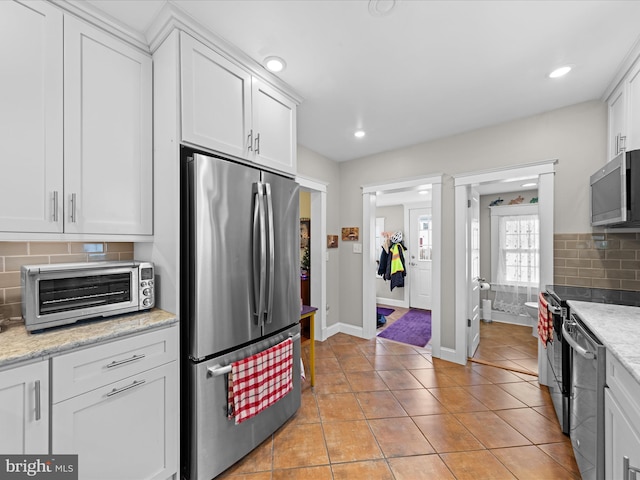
{"x":386,"y":410}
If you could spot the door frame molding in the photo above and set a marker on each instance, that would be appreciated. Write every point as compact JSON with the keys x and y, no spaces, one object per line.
{"x":318,"y":252}
{"x":545,"y":172}
{"x":369,"y":250}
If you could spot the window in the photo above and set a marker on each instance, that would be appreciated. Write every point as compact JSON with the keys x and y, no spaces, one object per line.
{"x":519,"y":250}
{"x":515,"y":251}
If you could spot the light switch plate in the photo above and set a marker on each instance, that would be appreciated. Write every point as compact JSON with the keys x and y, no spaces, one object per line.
{"x":357,"y":248}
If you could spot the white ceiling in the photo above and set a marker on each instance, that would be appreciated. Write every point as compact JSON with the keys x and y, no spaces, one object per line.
{"x":427,"y":70}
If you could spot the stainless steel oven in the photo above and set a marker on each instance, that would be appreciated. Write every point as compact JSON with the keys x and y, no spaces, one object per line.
{"x":586,"y":398}
{"x":59,"y":294}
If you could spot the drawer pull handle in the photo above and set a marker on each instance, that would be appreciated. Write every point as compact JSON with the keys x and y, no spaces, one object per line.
{"x":126,"y":360}
{"x":115,"y":391}
{"x":38,"y":404}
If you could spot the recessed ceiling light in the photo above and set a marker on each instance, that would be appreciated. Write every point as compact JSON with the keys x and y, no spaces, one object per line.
{"x":359,"y":134}
{"x":381,"y":8}
{"x":531,"y":184}
{"x":275,"y":64}
{"x":560,"y":72}
{"x":423,"y":192}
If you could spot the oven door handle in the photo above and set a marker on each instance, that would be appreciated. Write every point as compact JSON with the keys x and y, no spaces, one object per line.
{"x":583,"y":352}
{"x":555,"y":310}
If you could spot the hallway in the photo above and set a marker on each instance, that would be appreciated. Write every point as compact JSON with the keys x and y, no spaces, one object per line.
{"x":385,"y":410}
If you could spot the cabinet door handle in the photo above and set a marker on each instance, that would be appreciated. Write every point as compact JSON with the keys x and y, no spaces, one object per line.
{"x":117,"y":363}
{"x":257,"y":144}
{"x":55,"y":206}
{"x":628,"y":472}
{"x":38,"y":401}
{"x":115,"y":391}
{"x":250,"y":140}
{"x":73,"y":202}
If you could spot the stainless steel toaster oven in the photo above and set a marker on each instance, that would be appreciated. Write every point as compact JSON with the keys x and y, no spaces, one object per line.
{"x":60,"y":294}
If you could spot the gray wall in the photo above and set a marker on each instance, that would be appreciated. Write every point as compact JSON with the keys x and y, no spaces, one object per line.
{"x":316,"y":167}
{"x":575,"y":135}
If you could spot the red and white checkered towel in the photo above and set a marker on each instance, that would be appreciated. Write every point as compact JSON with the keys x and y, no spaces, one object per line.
{"x":545,"y":321}
{"x":259,"y":381}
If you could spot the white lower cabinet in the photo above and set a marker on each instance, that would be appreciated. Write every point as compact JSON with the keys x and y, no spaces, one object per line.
{"x":122,"y":429}
{"x":621,"y":421}
{"x":622,"y":440}
{"x":24,"y":409}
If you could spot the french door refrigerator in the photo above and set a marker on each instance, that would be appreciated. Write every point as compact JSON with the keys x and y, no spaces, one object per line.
{"x":240,"y":295}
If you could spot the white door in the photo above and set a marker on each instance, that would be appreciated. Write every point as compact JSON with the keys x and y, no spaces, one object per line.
{"x":216,"y":100}
{"x":31,"y":150}
{"x":108,"y":164}
{"x":274,"y":128}
{"x":419,"y":257}
{"x":473,"y":271}
{"x":24,"y":416}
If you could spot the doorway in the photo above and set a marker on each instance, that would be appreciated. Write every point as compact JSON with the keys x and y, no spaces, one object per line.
{"x":420,"y":257}
{"x":370,"y":249}
{"x":493,"y":182}
{"x":317,"y":251}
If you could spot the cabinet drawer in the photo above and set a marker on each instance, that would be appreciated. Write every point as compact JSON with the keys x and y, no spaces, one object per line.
{"x":84,"y":370}
{"x":625,"y":388}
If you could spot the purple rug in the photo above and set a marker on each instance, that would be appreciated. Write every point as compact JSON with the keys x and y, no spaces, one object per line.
{"x":414,"y":328}
{"x":384,"y":311}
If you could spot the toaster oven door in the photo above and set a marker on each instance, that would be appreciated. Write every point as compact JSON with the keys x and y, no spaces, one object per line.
{"x":57,"y":298}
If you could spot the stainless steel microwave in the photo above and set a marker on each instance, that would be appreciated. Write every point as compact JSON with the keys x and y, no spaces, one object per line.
{"x":54,"y":295}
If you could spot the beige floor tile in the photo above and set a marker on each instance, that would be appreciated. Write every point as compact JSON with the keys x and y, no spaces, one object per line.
{"x":531,"y":463}
{"x":494,"y":397}
{"x":433,"y":378}
{"x":563,"y":454}
{"x":400,"y":437}
{"x":480,"y":464}
{"x":399,"y":380}
{"x":304,"y":473}
{"x":380,"y":405}
{"x":369,"y":470}
{"x":419,"y":467}
{"x":536,"y":427}
{"x":446,"y":434}
{"x":350,"y":442}
{"x":528,"y":394}
{"x":339,"y":407}
{"x":457,"y":399}
{"x":366,"y":382}
{"x":492,"y":430}
{"x":299,"y":446}
{"x":419,"y":402}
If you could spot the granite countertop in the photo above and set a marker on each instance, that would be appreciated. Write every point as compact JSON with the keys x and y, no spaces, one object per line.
{"x":617,"y":327}
{"x":18,"y":345}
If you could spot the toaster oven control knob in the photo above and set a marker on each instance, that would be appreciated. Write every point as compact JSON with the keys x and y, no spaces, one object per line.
{"x":146,"y":302}
{"x":151,"y":283}
{"x":146,"y":292}
{"x":143,"y":284}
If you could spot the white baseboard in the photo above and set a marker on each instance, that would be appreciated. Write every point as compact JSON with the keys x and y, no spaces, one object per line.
{"x":391,"y":302}
{"x":451,"y":355}
{"x":503,"y":317}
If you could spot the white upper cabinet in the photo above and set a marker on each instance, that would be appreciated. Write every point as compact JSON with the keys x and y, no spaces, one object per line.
{"x":226,"y":109}
{"x":274,"y":126}
{"x":617,"y":122}
{"x":624,"y":114}
{"x":75,"y":127}
{"x":216,"y":94}
{"x":31,"y":135}
{"x":108,"y":127}
{"x":632,"y":86}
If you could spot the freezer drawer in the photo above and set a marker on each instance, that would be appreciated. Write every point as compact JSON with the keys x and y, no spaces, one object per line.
{"x":216,"y":442}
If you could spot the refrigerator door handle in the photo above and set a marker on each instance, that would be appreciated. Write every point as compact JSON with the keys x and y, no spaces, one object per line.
{"x":260,"y":260}
{"x":218,"y":370}
{"x":272,"y":267}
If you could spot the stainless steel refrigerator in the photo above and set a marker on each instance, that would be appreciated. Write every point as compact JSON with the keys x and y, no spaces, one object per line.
{"x":240,"y":295}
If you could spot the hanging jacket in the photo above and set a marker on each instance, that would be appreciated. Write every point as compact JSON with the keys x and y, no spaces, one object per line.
{"x":396,"y":270}
{"x":382,"y":264}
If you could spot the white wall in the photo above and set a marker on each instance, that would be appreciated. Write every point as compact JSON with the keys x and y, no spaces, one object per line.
{"x":574,"y":135}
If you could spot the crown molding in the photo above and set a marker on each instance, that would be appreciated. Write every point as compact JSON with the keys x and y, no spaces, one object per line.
{"x":98,"y":18}
{"x":171,"y":17}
